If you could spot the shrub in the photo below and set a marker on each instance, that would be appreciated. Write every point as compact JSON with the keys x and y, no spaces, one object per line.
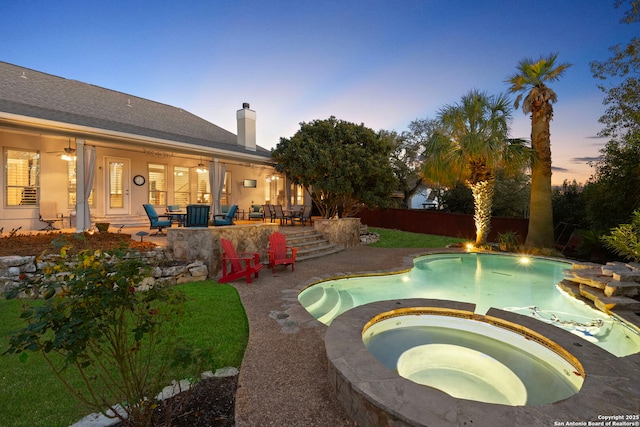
{"x":118,"y":334}
{"x":624,"y":240}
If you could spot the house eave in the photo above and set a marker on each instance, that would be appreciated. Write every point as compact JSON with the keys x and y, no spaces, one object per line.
{"x":107,"y":137}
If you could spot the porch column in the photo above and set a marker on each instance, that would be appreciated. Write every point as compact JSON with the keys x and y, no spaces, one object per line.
{"x":80,"y":201}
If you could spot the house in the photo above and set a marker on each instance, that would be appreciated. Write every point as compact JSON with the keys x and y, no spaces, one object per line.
{"x":100,"y":154}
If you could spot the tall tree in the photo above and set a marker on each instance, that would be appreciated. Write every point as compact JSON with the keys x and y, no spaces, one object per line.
{"x":408,"y":155}
{"x":470,"y":145}
{"x":530,"y":81}
{"x":340,"y":164}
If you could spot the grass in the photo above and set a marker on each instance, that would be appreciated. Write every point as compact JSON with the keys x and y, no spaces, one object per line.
{"x":30,"y":394}
{"x":403,"y":239}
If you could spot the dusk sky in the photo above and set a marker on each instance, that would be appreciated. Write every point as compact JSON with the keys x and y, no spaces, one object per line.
{"x":381,"y":63}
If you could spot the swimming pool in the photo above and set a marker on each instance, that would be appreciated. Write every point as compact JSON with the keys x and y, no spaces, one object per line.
{"x":526,"y":286}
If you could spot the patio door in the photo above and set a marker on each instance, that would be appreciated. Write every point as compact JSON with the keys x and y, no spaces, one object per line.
{"x":118,"y":171}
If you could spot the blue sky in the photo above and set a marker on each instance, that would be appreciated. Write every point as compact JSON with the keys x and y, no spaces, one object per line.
{"x":381,"y":63}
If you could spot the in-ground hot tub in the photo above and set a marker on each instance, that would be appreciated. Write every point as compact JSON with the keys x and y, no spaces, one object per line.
{"x":376,"y":394}
{"x":472,"y":356}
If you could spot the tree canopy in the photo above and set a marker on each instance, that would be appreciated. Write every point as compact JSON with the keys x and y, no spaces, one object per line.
{"x":408,"y":155}
{"x":340,"y":164}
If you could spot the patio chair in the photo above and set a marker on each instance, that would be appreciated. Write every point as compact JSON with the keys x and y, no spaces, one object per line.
{"x":304,"y":216}
{"x":226,"y":219}
{"x":268,"y":212}
{"x":237,"y":265}
{"x":49,"y":214}
{"x":279,"y":214}
{"x":256,"y":212}
{"x":155,"y":223}
{"x":197,"y":216}
{"x":280,"y":253}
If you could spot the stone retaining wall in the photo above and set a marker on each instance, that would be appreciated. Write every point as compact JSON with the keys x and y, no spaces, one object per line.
{"x":14,"y":269}
{"x":343,"y":231}
{"x":203,"y":244}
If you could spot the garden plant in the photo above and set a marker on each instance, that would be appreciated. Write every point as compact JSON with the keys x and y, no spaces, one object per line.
{"x":100,"y":319}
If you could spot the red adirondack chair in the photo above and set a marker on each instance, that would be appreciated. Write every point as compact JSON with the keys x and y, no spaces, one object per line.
{"x":278,"y":252}
{"x":238,"y":265}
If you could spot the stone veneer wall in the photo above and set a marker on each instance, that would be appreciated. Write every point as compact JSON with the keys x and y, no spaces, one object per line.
{"x":203,"y":244}
{"x":14,"y":269}
{"x":343,"y":231}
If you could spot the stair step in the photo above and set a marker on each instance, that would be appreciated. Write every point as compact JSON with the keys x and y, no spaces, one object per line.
{"x":310,"y":243}
{"x":608,"y":303}
{"x":318,"y":254}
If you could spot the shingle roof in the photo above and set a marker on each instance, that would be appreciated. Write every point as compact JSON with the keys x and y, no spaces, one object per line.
{"x":35,"y":94}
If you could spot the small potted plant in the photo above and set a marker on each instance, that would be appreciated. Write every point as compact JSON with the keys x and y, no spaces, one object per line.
{"x":509,"y":241}
{"x":103,"y":227}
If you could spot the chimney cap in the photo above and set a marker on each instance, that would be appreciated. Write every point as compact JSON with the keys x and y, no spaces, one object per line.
{"x":245,"y":105}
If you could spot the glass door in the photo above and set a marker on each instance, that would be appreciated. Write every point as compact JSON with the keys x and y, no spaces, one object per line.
{"x":117,"y":186}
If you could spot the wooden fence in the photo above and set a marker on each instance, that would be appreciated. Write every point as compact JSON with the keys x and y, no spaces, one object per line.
{"x":440,"y":223}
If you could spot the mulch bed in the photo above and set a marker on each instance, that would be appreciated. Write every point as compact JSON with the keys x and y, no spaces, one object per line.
{"x":50,"y":243}
{"x":210,"y":402}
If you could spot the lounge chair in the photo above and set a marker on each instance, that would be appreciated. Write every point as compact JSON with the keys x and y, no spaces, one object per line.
{"x":49,"y":214}
{"x":226,"y":219}
{"x":280,"y":253}
{"x":155,"y":223}
{"x":197,"y":216}
{"x":235,"y":266}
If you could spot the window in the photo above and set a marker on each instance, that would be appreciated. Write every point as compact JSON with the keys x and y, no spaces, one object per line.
{"x":274,"y":190}
{"x":157,"y":184}
{"x":225,"y":197}
{"x":71,"y":199}
{"x":203,"y":194}
{"x":181,"y":186}
{"x":204,"y":189}
{"x":22,"y":177}
{"x":297,"y":194}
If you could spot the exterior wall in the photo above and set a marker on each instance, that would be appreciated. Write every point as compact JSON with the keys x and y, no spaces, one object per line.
{"x":54,"y":179}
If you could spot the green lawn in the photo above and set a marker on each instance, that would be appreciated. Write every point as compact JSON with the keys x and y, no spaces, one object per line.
{"x":30,"y":394}
{"x":403,"y":239}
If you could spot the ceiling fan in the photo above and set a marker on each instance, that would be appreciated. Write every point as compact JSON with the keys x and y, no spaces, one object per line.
{"x":68,"y":154}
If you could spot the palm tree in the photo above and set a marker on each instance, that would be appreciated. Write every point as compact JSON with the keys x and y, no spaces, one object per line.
{"x":530,"y":79}
{"x":470,"y":146}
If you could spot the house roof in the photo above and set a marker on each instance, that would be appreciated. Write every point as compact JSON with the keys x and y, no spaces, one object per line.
{"x":39,"y":95}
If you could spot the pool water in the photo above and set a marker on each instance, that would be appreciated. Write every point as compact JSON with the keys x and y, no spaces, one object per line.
{"x":472,"y":360}
{"x":523,"y":285}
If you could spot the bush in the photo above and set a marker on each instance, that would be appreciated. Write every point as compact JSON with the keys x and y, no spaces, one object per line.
{"x":102,"y":322}
{"x":624,"y":240}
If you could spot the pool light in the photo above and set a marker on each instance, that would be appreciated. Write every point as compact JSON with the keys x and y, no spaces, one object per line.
{"x":469,"y":246}
{"x":525,"y":260}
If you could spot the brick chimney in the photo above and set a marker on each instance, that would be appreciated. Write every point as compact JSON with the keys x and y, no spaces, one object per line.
{"x":246,"y":127}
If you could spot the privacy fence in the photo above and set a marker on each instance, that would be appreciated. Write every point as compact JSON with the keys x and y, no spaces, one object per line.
{"x":440,"y":223}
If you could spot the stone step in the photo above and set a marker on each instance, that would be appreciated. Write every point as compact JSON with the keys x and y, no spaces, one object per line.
{"x":310,"y":243}
{"x":332,"y":249}
{"x":608,"y":303}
